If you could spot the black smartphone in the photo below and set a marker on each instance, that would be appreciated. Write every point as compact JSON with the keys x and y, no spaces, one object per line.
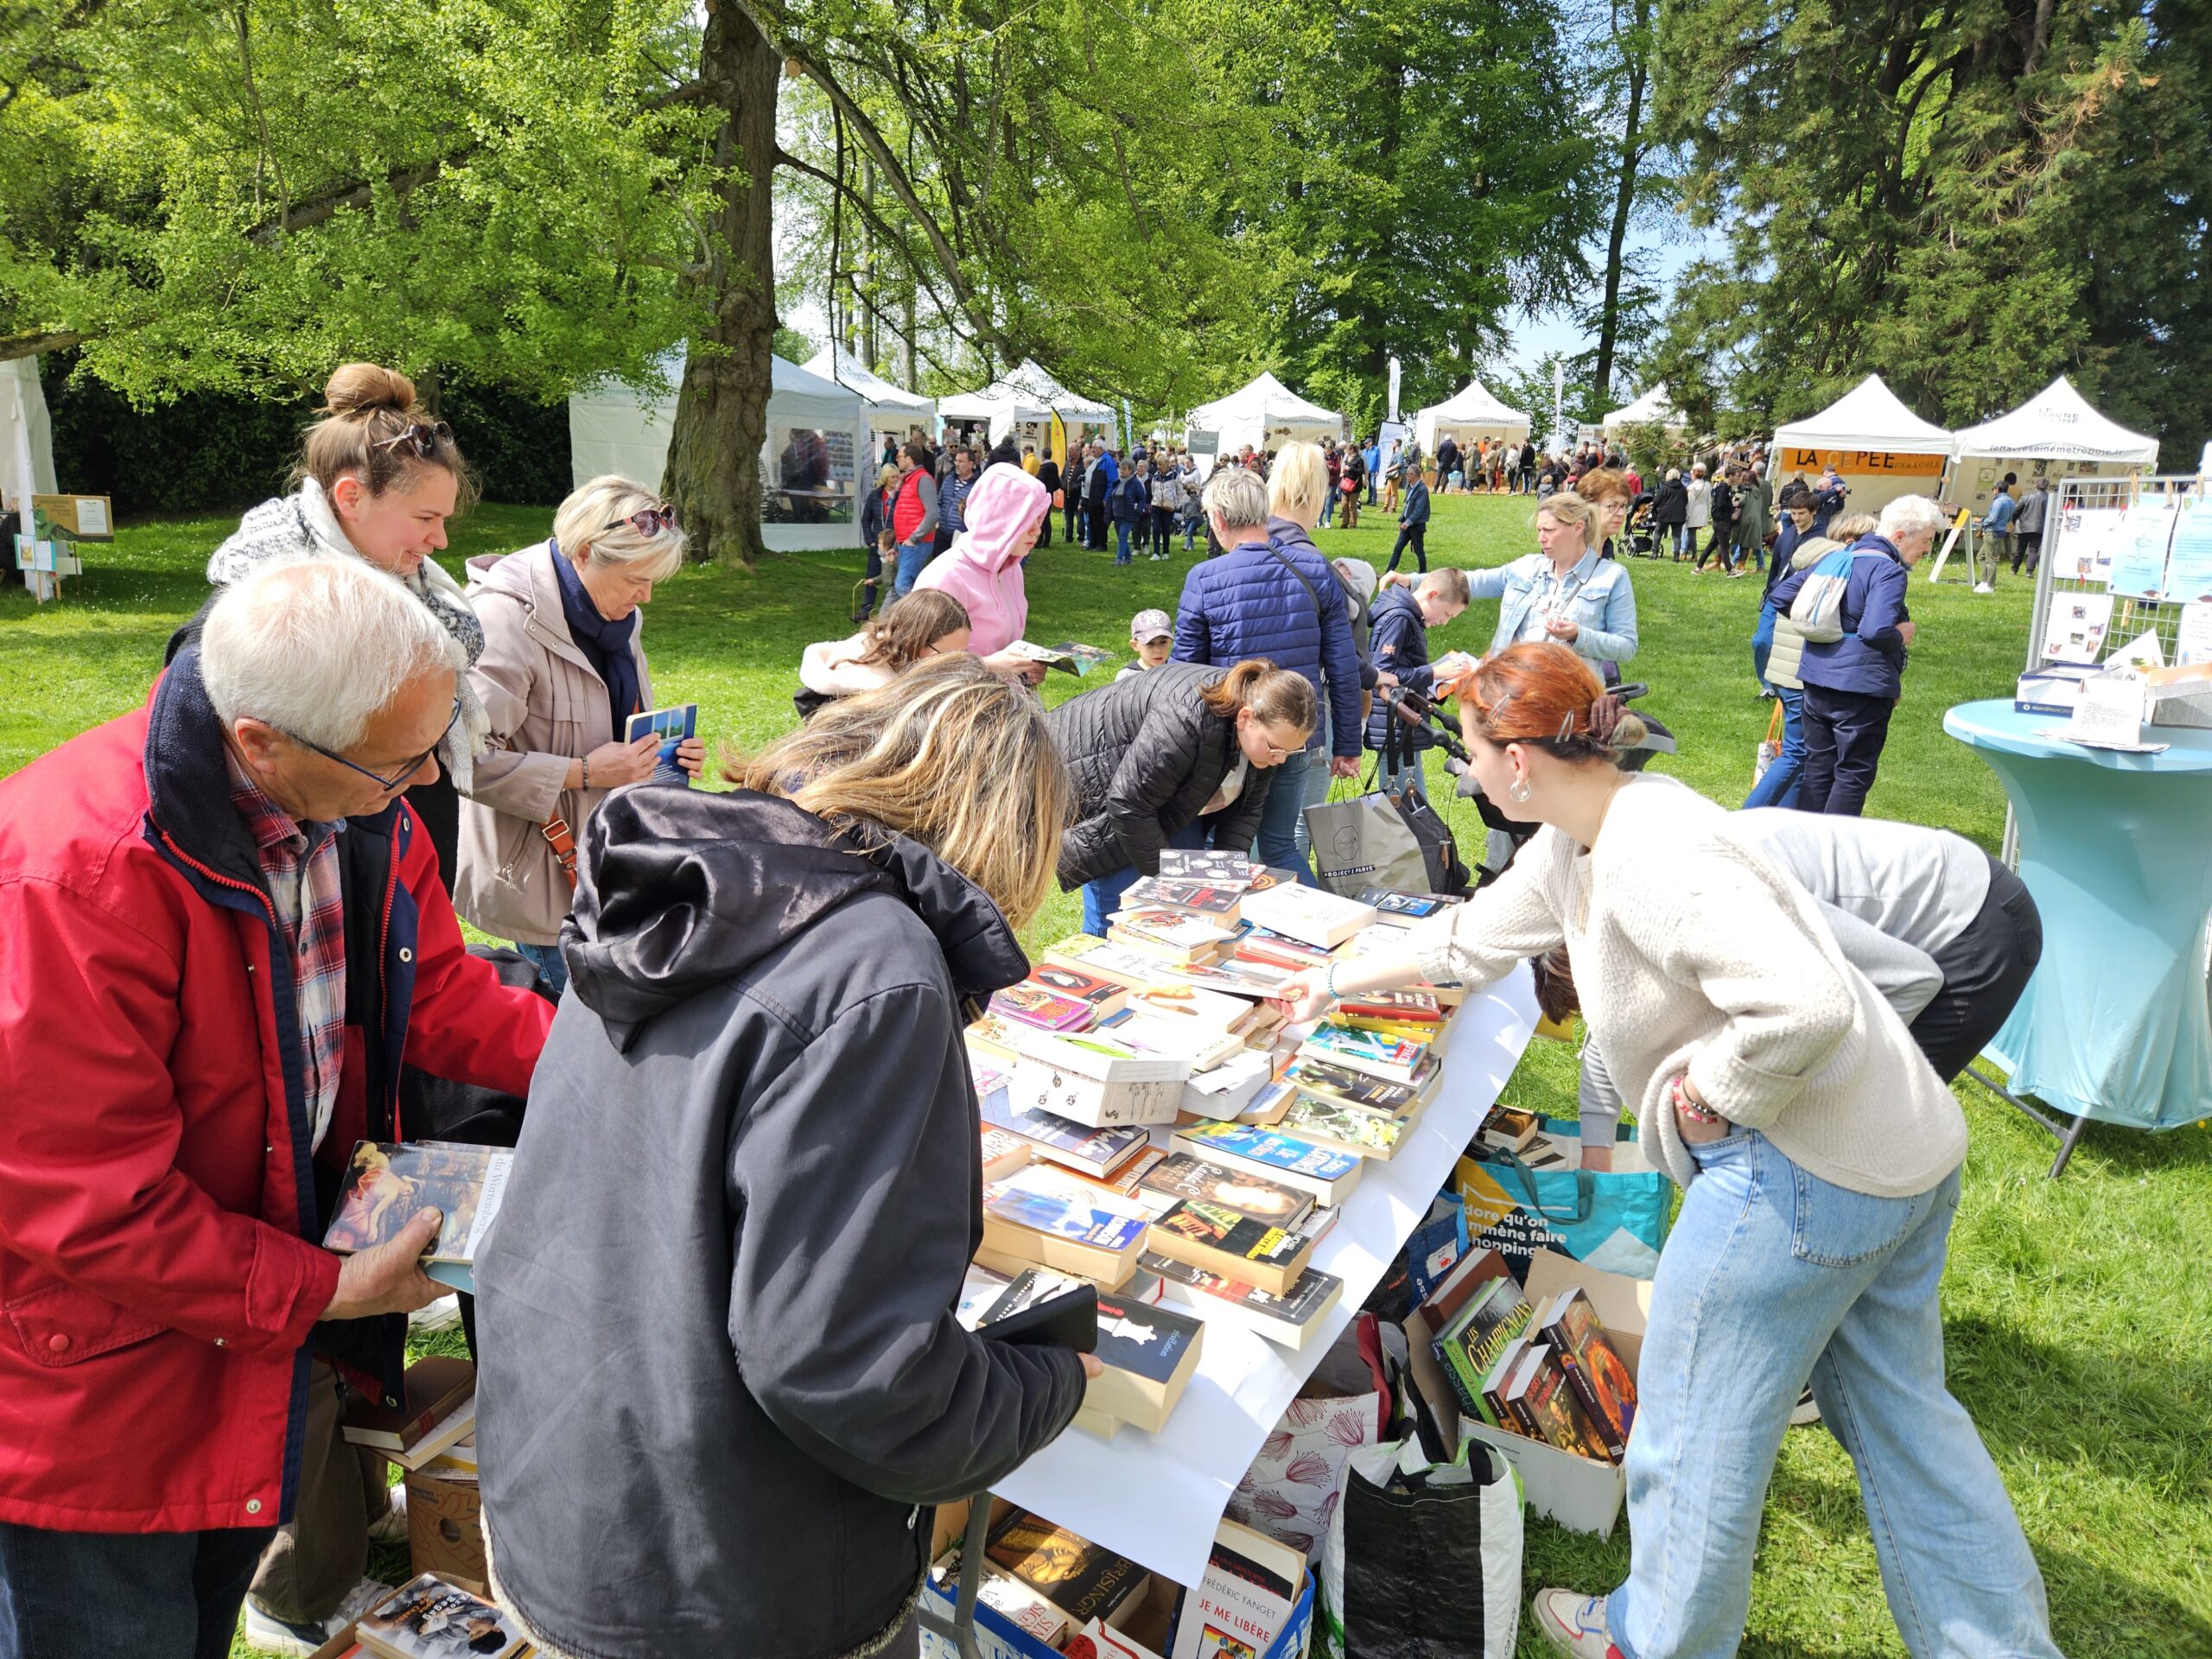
{"x":1069,"y":1320}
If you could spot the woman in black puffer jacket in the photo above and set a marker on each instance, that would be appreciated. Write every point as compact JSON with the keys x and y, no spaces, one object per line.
{"x":1180,"y":746}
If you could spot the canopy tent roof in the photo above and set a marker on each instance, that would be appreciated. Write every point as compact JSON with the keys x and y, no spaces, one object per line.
{"x":1868,"y":416}
{"x":1025,"y":394}
{"x":1654,"y":408}
{"x":1473,"y":405}
{"x":1270,"y":406}
{"x":835,"y":363}
{"x":2057,"y":423}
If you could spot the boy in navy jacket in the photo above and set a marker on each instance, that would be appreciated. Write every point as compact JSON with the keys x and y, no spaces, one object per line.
{"x":1413,"y":521}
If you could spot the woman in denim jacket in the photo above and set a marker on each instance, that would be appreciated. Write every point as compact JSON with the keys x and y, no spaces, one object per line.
{"x":1567,"y":592}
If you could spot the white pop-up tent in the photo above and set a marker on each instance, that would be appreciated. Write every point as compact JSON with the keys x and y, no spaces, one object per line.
{"x":1265,"y":414}
{"x":891,"y":409}
{"x":817,"y":429}
{"x":1470,"y":414}
{"x":1654,"y":408}
{"x":2055,"y":434}
{"x":1880,"y":448}
{"x":1023,"y":404}
{"x":25,"y":446}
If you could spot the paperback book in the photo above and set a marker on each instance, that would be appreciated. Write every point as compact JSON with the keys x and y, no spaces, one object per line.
{"x":1287,"y":1320}
{"x":1034,"y":1004}
{"x":1205,"y":899}
{"x":1470,"y":1343}
{"x":1205,"y":864}
{"x":1404,"y":909}
{"x":1394,"y":1060}
{"x":1230,"y":1244}
{"x":1343,"y":1129}
{"x":1051,"y":1202}
{"x":1180,"y":1176}
{"x":436,"y":1387}
{"x":1323,"y":920}
{"x":428,"y":1618}
{"x":1088,"y":953}
{"x":1150,"y":1353}
{"x":1104,"y":997}
{"x":1329,"y":1176}
{"x":1593,"y":1368}
{"x":386,"y":1182}
{"x":1066,"y":657}
{"x":1344,"y":1086}
{"x":1080,"y":1148}
{"x":1547,"y":1402}
{"x":1277,"y":951}
{"x":1070,"y":1572}
{"x":672,"y":726}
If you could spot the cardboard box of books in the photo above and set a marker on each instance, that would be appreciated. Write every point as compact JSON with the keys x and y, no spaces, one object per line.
{"x":1092,"y":1589}
{"x":1582,"y":1494}
{"x":445,"y":1527}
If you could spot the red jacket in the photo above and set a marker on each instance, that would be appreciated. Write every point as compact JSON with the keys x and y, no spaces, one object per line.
{"x":158,"y":1277}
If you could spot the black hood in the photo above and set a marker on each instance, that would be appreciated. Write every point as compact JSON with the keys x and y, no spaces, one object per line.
{"x":678,"y":890}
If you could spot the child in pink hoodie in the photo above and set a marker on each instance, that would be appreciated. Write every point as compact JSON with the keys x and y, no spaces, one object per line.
{"x":982,"y":567}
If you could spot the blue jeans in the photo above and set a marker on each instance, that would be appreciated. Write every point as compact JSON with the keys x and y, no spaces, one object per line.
{"x":93,"y":1595}
{"x":912,"y":556}
{"x":1777,"y":785}
{"x":546,"y":959}
{"x":1120,"y":541}
{"x":1103,"y":897}
{"x":1328,"y":506}
{"x":1772,"y":1276}
{"x":1190,"y":533}
{"x":1280,"y":819}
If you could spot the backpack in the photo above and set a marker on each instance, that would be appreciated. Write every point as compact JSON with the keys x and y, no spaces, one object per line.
{"x":1818,"y":609}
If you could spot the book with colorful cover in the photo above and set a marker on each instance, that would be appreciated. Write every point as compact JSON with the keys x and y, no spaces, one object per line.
{"x":1394,"y":1060}
{"x":1549,"y":1401}
{"x":386,"y":1182}
{"x":673,"y":726}
{"x":1593,"y":1368}
{"x":1044,"y":1200}
{"x":428,"y":1618}
{"x":1469,"y":1344}
{"x":1074,"y":1574}
{"x":1343,"y":1129}
{"x":1232,"y":1244}
{"x":1234,"y":975}
{"x":1180,"y":1176}
{"x":1278,"y":950}
{"x":1402,"y":910}
{"x":1509,"y":1128}
{"x":1346,"y":1087}
{"x":1105,"y":997}
{"x":1176,"y":934}
{"x":1206,"y":899}
{"x":1034,"y":1004}
{"x":1066,"y":657}
{"x":1104,"y":958}
{"x":1086,"y":1150}
{"x":1003,"y":1153}
{"x":1403,"y":1008}
{"x":1328,"y":1175}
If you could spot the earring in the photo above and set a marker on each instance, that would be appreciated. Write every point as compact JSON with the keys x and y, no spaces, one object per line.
{"x":1519,"y":792}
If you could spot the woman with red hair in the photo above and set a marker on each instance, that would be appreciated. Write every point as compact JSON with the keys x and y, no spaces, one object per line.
{"x":1819,"y":1154}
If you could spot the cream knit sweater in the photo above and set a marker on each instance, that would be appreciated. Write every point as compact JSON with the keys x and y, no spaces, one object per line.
{"x":1693,"y":952}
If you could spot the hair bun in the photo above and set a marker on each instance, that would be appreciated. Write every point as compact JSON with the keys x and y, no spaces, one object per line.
{"x":356,"y":386}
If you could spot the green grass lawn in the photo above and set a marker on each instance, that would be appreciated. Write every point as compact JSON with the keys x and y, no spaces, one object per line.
{"x":2079,"y":1325}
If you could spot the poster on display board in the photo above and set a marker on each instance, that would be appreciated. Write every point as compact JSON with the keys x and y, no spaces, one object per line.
{"x":2189,"y":559}
{"x":2087,"y":537}
{"x":2139,"y":559}
{"x":2074,"y":630}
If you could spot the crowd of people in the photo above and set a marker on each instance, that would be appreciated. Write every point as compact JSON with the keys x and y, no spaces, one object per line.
{"x":720,"y":1375}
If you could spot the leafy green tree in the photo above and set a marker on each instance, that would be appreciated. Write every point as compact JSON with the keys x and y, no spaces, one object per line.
{"x":1966,"y":200}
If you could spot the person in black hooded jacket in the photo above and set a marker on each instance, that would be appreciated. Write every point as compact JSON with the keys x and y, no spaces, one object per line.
{"x":723,"y":1382}
{"x":1181,"y":754}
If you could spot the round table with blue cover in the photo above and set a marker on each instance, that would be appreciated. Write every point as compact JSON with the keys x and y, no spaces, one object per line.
{"x":2117,"y":850}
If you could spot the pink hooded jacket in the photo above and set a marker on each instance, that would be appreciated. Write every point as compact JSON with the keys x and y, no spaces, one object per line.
{"x":982,"y":567}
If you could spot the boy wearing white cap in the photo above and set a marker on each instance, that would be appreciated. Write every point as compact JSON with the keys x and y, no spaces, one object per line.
{"x":1152,"y":636}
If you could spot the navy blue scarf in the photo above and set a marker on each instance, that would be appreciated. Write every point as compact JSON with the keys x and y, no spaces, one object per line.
{"x":605,"y":644}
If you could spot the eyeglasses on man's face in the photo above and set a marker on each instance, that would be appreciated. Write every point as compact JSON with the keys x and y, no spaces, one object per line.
{"x":397,"y":779}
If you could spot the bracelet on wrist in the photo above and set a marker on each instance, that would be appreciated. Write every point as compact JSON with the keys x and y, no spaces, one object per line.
{"x":1696,"y":1111}
{"x":585,"y":765}
{"x":1329,"y":980}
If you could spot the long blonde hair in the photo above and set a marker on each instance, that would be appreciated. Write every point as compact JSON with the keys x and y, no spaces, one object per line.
{"x":947,"y":753}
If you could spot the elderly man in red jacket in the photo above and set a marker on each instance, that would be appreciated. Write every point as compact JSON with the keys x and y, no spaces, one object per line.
{"x":221,"y":934}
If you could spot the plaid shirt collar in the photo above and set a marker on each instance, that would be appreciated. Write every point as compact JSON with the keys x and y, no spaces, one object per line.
{"x":270,"y":824}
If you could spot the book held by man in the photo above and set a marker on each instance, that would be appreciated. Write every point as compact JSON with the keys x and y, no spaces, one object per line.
{"x":1150,"y":1354}
{"x":386,"y":1182}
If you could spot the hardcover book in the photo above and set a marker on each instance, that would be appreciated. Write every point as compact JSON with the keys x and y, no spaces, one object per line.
{"x":1072,"y":1573}
{"x":428,"y":1618}
{"x":1592,"y":1367}
{"x":1078,"y":1146}
{"x":1323,"y":920}
{"x":1230,"y":1244}
{"x":1180,"y":1176}
{"x":386,"y":1182}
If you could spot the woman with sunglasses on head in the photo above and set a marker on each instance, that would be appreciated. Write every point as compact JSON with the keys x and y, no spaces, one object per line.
{"x":562,"y":670}
{"x":1819,"y":1152}
{"x":377,"y":481}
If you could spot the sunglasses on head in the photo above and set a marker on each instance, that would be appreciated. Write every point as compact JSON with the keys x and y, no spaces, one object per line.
{"x":650,"y":523}
{"x":422,"y":436}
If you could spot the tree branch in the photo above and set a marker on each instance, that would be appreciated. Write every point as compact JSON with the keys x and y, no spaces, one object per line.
{"x":15,"y":345}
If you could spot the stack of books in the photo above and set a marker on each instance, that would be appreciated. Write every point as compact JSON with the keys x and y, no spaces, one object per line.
{"x":439,"y":1409}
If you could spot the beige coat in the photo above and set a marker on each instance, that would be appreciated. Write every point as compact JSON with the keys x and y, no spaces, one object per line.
{"x":548,"y":708}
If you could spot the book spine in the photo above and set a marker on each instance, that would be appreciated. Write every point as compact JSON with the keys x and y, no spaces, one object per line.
{"x":1470,"y":1390}
{"x":1601,"y":1423}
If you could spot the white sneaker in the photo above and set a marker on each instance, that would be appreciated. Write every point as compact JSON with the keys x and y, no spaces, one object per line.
{"x":1573,"y":1624}
{"x":1983,"y":588}
{"x":266,"y":1633}
{"x":1805,"y":1411}
{"x":444,"y":1314}
{"x":390,"y":1526}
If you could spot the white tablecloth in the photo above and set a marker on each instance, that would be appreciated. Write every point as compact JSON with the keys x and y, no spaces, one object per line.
{"x":1158,"y":1499}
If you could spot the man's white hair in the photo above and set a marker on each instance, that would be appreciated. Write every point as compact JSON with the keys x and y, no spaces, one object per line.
{"x":1909,"y":514}
{"x":317,"y":648}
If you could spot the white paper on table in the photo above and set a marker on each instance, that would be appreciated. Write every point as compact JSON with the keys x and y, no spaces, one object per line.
{"x":2193,"y":633}
{"x":1158,"y":1499}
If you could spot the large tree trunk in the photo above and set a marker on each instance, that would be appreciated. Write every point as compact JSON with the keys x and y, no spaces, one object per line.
{"x":722,"y":411}
{"x":1632,"y":163}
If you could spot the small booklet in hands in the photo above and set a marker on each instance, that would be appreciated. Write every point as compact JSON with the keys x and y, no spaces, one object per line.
{"x":673,"y":726}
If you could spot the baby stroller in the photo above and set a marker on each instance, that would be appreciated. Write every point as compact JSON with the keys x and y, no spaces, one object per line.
{"x":1642,"y":535}
{"x":1508,"y":835}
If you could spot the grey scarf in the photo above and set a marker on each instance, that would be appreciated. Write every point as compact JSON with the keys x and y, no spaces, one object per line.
{"x":303,"y":526}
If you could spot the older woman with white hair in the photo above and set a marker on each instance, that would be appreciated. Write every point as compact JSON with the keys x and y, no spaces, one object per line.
{"x":563,"y":672}
{"x":1853,"y":684}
